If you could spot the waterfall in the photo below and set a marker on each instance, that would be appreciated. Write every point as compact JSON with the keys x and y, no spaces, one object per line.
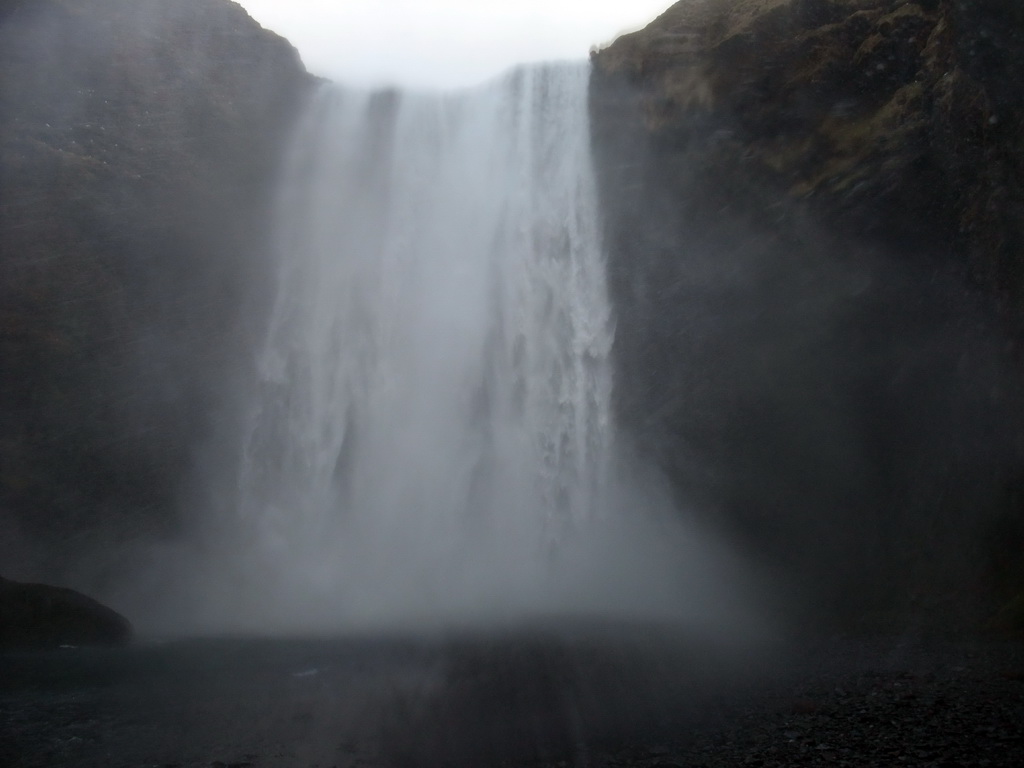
{"x":430,"y":435}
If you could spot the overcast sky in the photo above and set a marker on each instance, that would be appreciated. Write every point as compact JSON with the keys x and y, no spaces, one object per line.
{"x":444,"y":43}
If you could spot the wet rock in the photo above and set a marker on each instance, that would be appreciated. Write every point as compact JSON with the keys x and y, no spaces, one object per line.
{"x":43,"y":616}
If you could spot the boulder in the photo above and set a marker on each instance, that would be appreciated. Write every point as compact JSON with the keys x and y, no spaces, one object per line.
{"x":43,"y":616}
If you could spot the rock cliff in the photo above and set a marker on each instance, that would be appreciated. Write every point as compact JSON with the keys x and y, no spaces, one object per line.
{"x":138,"y":144}
{"x":814,"y":215}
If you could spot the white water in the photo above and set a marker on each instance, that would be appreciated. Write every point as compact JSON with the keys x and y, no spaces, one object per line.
{"x":430,"y":438}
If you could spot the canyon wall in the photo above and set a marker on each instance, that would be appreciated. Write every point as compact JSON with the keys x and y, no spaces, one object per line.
{"x":813,"y":210}
{"x":139,"y":141}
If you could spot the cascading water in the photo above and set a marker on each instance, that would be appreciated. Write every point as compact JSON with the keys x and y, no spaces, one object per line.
{"x":430,"y":437}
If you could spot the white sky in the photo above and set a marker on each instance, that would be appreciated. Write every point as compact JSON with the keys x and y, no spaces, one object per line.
{"x":444,"y":43}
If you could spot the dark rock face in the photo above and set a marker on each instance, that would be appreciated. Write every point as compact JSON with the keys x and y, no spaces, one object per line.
{"x":897,"y":120}
{"x":41,"y":616}
{"x":138,"y":145}
{"x":813,"y":214}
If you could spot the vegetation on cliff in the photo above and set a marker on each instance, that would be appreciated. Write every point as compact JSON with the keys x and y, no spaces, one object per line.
{"x":899,"y":120}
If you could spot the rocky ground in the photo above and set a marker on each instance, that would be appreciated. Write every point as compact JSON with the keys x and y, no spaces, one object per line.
{"x":543,"y":699}
{"x":872,"y":703}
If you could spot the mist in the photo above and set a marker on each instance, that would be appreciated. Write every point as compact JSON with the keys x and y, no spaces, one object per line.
{"x":351,"y":370}
{"x":389,"y":359}
{"x":427,"y":440}
{"x":656,"y":409}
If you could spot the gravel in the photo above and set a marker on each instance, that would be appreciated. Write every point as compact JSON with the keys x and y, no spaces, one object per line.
{"x":868,"y":702}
